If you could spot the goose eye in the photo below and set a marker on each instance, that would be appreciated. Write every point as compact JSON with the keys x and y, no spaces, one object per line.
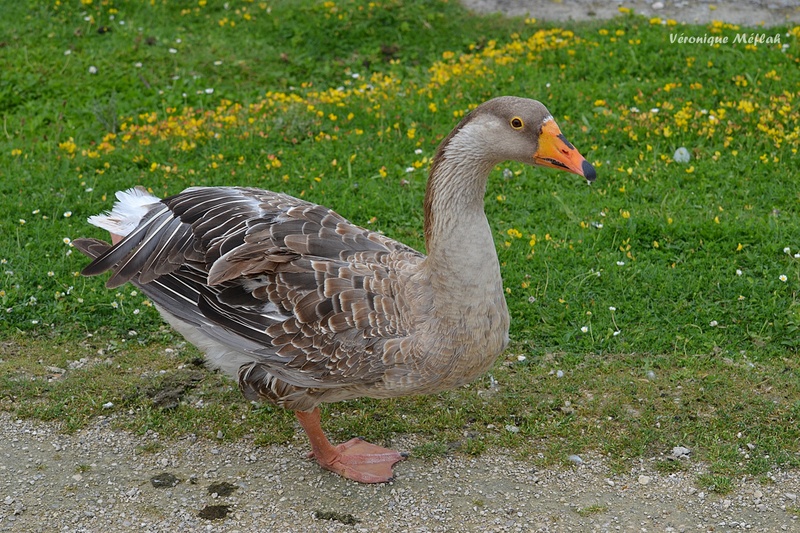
{"x":516,"y":123}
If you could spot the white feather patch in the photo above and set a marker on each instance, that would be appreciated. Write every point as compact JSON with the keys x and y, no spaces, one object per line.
{"x":130,"y":207}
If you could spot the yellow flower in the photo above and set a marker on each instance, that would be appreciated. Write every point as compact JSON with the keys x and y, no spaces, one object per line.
{"x":15,"y":152}
{"x":625,"y":214}
{"x":68,"y":146}
{"x":515,"y":233}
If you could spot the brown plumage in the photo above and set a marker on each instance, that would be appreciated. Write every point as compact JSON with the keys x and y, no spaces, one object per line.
{"x":303,"y":307}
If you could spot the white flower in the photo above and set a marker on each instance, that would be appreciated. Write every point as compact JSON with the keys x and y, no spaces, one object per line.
{"x":612,"y":308}
{"x":210,"y":90}
{"x":584,"y":329}
{"x":409,"y":169}
{"x":738,"y":272}
{"x":620,"y":263}
{"x":617,"y":332}
{"x":67,"y":241}
{"x":92,"y":69}
{"x":217,"y":63}
{"x":67,"y":52}
{"x":783,"y":278}
{"x":521,"y":358}
{"x":713,"y":323}
{"x":173,"y":51}
{"x":418,"y":151}
{"x":787,"y":250}
{"x":138,"y":64}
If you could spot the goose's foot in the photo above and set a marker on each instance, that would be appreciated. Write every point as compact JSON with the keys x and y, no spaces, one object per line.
{"x":356,"y":459}
{"x":360,"y":461}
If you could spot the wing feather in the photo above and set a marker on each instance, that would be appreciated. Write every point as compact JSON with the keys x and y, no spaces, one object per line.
{"x":311,"y":297}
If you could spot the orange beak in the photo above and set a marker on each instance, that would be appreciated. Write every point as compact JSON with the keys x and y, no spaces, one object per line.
{"x":557,"y":152}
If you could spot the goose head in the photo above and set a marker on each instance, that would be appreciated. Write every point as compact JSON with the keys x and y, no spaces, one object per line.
{"x":515,"y":129}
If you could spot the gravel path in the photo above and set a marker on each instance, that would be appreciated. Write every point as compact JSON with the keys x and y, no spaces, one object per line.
{"x":742,"y":12}
{"x":100,"y":480}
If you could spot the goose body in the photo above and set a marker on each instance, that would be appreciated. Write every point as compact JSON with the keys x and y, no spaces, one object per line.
{"x":302,"y":307}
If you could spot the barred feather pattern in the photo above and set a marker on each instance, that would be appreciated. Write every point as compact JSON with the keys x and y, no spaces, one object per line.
{"x":285,"y":295}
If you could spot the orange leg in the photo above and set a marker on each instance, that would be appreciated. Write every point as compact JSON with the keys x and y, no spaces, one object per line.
{"x":356,"y":459}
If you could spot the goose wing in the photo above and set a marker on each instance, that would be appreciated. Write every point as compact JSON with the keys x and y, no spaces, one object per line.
{"x":311,"y":296}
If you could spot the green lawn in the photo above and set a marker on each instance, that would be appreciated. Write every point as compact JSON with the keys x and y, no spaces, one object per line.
{"x":666,"y":293}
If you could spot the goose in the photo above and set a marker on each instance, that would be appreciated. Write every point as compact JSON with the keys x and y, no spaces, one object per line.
{"x":301,"y":307}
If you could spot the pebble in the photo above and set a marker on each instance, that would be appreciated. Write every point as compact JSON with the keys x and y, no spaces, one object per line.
{"x":682,"y":155}
{"x":644,"y":480}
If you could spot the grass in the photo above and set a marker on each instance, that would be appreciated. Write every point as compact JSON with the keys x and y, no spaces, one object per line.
{"x":666,"y":294}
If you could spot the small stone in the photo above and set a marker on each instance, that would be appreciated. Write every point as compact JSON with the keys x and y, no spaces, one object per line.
{"x":657,"y":5}
{"x":575,"y":459}
{"x":560,"y":374}
{"x":790,"y":496}
{"x":9,"y":500}
{"x":512,"y":429}
{"x":681,"y":452}
{"x":681,"y":155}
{"x":644,"y":480}
{"x":610,"y":482}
